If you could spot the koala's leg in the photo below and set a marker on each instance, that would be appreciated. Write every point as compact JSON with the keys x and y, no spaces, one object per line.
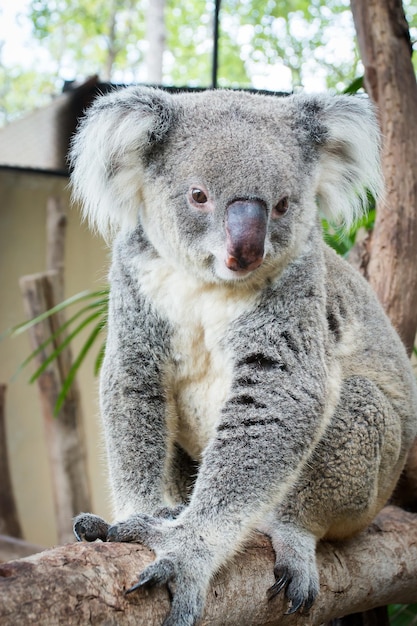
{"x":348,"y":478}
{"x":139,"y":431}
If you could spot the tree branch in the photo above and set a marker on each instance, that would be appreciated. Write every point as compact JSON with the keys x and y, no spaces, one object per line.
{"x":83,"y":583}
{"x":14,"y":548}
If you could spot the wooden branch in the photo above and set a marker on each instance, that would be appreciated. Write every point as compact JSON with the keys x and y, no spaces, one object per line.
{"x":12,"y":548}
{"x":9,"y":520}
{"x":65,"y":440}
{"x":377,"y":567}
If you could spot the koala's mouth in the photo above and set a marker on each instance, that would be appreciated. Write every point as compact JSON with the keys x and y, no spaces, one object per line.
{"x":240,"y":265}
{"x":223,"y":270}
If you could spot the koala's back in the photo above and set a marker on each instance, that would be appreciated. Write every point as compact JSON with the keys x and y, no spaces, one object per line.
{"x":364,"y":341}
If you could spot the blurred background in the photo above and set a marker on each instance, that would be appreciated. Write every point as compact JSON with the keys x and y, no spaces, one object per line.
{"x":55,"y":57}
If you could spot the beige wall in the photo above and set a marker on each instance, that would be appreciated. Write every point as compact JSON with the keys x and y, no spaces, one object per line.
{"x":23,"y":199}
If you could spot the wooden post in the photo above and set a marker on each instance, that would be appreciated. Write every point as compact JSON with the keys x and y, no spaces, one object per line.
{"x":64,"y":436}
{"x":56,"y":225}
{"x":9,"y":521}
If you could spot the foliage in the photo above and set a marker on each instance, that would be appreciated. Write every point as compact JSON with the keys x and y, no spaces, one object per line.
{"x":92,"y":315}
{"x":34,"y":89}
{"x":342,"y":240}
{"x":284,"y":44}
{"x":277,"y":44}
{"x":296,"y":35}
{"x":89,"y":35}
{"x":403,"y":615}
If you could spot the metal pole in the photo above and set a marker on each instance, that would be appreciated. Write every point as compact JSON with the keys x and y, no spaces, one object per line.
{"x":215,"y":44}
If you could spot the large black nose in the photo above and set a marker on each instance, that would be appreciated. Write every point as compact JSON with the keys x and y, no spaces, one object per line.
{"x":246,"y":222}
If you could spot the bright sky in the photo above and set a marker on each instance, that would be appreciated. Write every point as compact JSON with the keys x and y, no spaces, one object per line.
{"x":15,"y":32}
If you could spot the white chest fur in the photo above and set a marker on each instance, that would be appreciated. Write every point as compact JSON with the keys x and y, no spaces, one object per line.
{"x":200,"y":377}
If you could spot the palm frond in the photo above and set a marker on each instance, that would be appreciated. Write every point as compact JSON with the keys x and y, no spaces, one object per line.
{"x":75,"y":366}
{"x":78,"y":297}
{"x":62,"y":345}
{"x":95,"y":309}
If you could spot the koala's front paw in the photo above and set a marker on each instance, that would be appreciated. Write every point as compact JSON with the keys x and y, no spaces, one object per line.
{"x":136,"y":529}
{"x":182,"y":563}
{"x":89,"y":527}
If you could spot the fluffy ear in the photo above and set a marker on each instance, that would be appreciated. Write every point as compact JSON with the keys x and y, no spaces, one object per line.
{"x":108,"y":150}
{"x":345,"y":130}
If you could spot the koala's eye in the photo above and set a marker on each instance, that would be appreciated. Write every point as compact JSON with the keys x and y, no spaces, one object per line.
{"x":199,"y":199}
{"x":281,"y":207}
{"x":198,"y":196}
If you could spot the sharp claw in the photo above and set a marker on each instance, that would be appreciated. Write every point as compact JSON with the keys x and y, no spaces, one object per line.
{"x":309,"y":602}
{"x":77,"y":536}
{"x":295,"y":606}
{"x":132,"y":589}
{"x":79,"y":531}
{"x":277,"y":587}
{"x":142,"y":582}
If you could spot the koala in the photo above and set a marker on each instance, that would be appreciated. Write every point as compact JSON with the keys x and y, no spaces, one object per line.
{"x":251,"y":381}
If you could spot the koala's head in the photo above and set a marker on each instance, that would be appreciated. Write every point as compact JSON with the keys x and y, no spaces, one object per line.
{"x":225,"y":184}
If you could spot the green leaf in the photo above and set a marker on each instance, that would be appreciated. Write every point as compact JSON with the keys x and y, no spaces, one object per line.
{"x":354,"y":86}
{"x":63,"y":345}
{"x":403,"y":614}
{"x":99,"y":308}
{"x":80,"y":358}
{"x":79,"y":297}
{"x":99,"y":359}
{"x":61,"y":329}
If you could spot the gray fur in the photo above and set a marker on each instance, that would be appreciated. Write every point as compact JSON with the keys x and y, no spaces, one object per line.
{"x":279,"y":398}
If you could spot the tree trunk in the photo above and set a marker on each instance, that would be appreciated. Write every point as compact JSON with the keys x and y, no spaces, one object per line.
{"x":390,"y":81}
{"x":384,"y":42}
{"x":83,"y":583}
{"x":64,"y":435}
{"x":9,"y":520}
{"x":107,"y":70}
{"x":155,"y":36}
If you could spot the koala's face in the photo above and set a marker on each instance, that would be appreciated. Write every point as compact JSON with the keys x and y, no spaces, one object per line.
{"x":224,"y":184}
{"x":230,"y":192}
